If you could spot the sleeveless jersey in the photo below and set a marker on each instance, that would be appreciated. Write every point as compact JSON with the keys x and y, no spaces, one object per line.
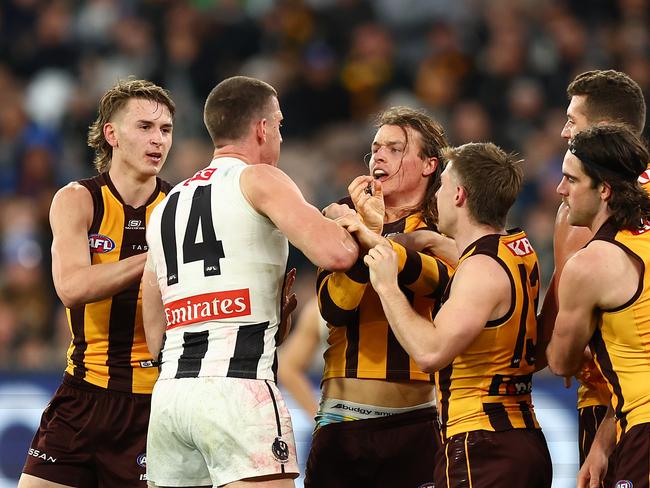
{"x":108,"y":347}
{"x":361,"y":344}
{"x":621,"y":342}
{"x":220,"y":266}
{"x":588,"y":396}
{"x":488,"y":386}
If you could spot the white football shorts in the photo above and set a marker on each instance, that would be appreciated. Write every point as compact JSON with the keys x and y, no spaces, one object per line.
{"x":216,"y":430}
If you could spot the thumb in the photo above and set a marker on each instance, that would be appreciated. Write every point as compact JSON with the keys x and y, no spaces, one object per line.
{"x":378,"y":191}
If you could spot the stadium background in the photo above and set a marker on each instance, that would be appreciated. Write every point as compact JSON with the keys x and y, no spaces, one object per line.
{"x":487,"y":70}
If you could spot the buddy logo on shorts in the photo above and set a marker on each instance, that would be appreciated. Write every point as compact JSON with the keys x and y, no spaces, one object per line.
{"x":624,"y":484}
{"x":207,"y":307}
{"x":100,"y":244}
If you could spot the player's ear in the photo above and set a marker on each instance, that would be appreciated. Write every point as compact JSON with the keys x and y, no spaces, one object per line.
{"x":260,"y":130}
{"x":110,"y":134}
{"x":429,"y":166}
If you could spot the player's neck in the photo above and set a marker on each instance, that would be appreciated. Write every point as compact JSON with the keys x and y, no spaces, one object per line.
{"x":135,"y":189}
{"x":468,"y":233}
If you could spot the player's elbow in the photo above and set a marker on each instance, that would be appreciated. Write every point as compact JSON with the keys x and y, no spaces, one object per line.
{"x":428,"y":362}
{"x":71,"y":295}
{"x":339,"y":261}
{"x":560,"y":365}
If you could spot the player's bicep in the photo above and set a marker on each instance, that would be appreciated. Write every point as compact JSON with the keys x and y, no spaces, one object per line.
{"x":70,"y":218}
{"x":480,"y":291}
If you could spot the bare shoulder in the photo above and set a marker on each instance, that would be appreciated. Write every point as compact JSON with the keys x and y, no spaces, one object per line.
{"x":73,"y":201}
{"x":480,"y":270}
{"x":263,"y":184}
{"x":598,"y":261}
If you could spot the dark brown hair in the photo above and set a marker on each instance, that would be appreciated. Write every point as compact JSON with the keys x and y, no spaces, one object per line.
{"x":233,"y":104}
{"x":111,"y":103}
{"x":612,"y":154}
{"x":433,"y":140}
{"x":611,"y":96}
{"x":491,"y":177}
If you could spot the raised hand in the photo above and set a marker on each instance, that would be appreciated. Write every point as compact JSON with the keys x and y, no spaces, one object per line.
{"x":382,"y":263}
{"x":368,"y":199}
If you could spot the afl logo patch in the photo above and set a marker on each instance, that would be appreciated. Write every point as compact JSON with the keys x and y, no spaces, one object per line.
{"x":100,"y":244}
{"x":280,"y":450}
{"x":141,"y":460}
{"x":624,"y":484}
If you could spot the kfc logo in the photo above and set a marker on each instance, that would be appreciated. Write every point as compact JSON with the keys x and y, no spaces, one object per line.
{"x":520,"y":247}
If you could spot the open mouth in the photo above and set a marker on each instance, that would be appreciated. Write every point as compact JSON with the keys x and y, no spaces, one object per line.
{"x":155,"y":156}
{"x":379,"y":174}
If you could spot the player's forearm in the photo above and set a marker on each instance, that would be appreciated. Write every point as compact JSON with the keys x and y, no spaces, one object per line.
{"x":415,"y":333}
{"x":97,"y":282}
{"x":563,"y":360}
{"x":605,"y":439}
{"x":298,"y":385}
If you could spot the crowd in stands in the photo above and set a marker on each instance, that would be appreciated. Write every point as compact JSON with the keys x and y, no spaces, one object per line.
{"x":488,"y":70}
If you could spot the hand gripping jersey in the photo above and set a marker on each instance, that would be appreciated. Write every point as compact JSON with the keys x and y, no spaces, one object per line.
{"x":621,"y":342}
{"x":488,"y":386}
{"x":361,"y":344}
{"x":108,"y":346}
{"x":220,"y":266}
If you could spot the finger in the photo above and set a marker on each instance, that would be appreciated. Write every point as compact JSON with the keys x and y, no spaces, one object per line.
{"x":368,"y":260}
{"x":378,"y":191}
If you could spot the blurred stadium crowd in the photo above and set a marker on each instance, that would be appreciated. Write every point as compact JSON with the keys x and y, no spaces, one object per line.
{"x":486,"y":69}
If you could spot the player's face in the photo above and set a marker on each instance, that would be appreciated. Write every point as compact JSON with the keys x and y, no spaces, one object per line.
{"x":582,"y":200}
{"x":446,"y":200}
{"x":576,"y":117}
{"x":141,"y":136}
{"x":273,"y":136}
{"x":395,"y":161}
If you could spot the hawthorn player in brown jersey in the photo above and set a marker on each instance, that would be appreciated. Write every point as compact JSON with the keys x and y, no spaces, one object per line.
{"x":93,"y":432}
{"x":482,"y":341}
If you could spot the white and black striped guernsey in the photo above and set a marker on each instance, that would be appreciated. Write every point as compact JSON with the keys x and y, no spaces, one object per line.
{"x":220,"y":267}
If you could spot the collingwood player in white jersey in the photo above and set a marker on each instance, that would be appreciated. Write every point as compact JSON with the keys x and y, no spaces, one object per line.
{"x":212,"y":293}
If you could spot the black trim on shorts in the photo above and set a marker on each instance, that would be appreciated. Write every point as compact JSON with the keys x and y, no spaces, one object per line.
{"x":277,"y":414}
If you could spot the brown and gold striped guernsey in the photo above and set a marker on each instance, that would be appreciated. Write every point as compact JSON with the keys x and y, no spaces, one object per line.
{"x":488,"y":386}
{"x":108,"y":347}
{"x":361,"y":344}
{"x":621,"y":342}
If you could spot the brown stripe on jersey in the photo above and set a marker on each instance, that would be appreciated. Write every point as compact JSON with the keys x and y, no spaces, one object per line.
{"x":602,"y":357}
{"x":78,"y":340}
{"x":444,"y":384}
{"x":498,"y":416}
{"x":121,"y":325}
{"x":398,"y":362}
{"x":359,"y":272}
{"x":352,"y":349}
{"x":330,"y":311}
{"x":521,"y":334}
{"x":527,"y":415}
{"x":443,"y":283}
{"x":394,"y":227}
{"x":412,"y":268}
{"x":77,"y":314}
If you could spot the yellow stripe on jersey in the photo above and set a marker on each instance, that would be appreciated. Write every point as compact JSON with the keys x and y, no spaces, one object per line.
{"x":488,"y":386}
{"x":108,"y":347}
{"x":621,"y":342}
{"x":361,"y":344}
